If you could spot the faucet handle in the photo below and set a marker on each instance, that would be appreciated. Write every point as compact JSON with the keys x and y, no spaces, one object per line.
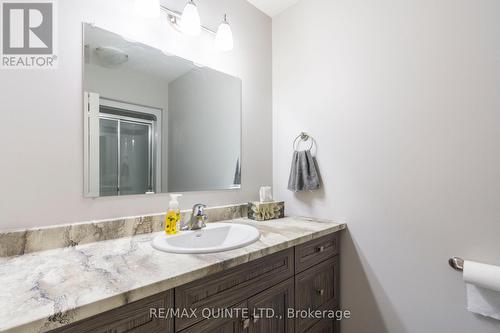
{"x":198,"y":217}
{"x":199,"y":209}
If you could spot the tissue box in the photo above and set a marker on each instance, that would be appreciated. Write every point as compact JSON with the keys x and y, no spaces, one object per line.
{"x":263,"y":211}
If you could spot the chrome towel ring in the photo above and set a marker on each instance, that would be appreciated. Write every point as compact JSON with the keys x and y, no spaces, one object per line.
{"x":303,"y":137}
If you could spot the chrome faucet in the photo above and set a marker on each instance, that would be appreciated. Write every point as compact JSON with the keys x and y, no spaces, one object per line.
{"x":198,"y":217}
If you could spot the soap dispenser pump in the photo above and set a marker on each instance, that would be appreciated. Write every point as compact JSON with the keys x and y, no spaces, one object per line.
{"x":173,"y":218}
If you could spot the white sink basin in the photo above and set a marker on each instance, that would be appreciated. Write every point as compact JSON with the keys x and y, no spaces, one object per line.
{"x":216,"y":237}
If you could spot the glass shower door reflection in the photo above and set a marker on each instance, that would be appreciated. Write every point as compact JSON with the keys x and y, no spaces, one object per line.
{"x":135,"y":150}
{"x":108,"y":157}
{"x":125,"y":157}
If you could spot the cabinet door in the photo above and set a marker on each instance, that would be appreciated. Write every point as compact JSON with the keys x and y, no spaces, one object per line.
{"x":268,"y":310}
{"x":131,"y":318}
{"x":316,"y":289}
{"x":223,"y":322}
{"x":232,"y":286}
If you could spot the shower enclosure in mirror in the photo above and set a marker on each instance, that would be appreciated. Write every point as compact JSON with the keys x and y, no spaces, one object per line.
{"x":156,"y":123}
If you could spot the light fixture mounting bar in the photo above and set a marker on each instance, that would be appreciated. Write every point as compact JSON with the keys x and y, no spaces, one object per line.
{"x":174,"y":16}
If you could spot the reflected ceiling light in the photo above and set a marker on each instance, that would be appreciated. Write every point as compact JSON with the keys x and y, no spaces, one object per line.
{"x":190,"y":19}
{"x":111,"y":56}
{"x":147,"y":8}
{"x":224,"y":36}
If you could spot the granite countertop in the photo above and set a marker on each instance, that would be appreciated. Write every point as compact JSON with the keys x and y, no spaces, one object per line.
{"x":44,"y":290}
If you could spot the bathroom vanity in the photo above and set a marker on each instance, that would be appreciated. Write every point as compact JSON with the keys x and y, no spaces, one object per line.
{"x":125,"y":285}
{"x":302,"y":277}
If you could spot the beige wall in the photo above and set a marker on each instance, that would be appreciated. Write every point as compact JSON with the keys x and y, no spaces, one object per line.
{"x":204,"y":132}
{"x":41,"y":131}
{"x":403,"y":98}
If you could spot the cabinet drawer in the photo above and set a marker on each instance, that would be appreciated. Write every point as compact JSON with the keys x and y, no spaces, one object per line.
{"x":232,"y":286}
{"x":316,"y":289}
{"x":131,"y":318}
{"x":315,"y":251}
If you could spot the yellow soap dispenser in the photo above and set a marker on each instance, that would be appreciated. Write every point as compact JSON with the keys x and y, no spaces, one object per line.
{"x":173,"y":217}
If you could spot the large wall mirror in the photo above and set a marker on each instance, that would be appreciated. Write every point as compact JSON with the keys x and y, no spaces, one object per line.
{"x":156,"y":123}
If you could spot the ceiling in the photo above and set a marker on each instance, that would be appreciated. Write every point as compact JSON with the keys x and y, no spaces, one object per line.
{"x":272,"y":7}
{"x":141,"y":58}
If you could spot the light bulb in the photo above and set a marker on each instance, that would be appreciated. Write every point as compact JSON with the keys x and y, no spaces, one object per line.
{"x":224,"y":37}
{"x":190,"y":20}
{"x":147,"y":8}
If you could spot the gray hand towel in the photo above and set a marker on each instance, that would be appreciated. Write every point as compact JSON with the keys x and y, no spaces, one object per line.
{"x":303,"y":174}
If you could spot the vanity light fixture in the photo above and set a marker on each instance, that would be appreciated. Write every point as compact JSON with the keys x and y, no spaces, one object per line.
{"x":189,"y":23}
{"x":147,"y":8}
{"x":224,"y":36}
{"x":190,"y":19}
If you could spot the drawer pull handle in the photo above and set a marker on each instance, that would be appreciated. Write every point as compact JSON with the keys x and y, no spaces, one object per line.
{"x":320,"y":249}
{"x":245,"y":323}
{"x":320,"y":292}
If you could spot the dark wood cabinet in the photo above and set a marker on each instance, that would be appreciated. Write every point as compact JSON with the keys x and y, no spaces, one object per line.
{"x":268,"y":310}
{"x":316,"y":289}
{"x":232,"y":286}
{"x":316,"y":286}
{"x":223,"y":322}
{"x":132,"y":318}
{"x":255,"y":297}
